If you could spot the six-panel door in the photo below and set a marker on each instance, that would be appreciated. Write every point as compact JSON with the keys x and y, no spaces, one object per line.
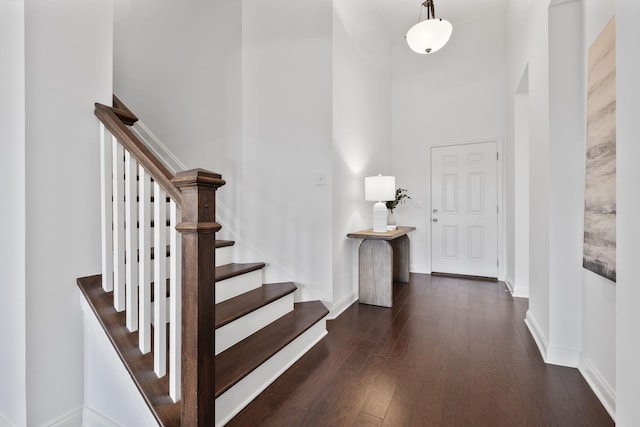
{"x":464,"y":209}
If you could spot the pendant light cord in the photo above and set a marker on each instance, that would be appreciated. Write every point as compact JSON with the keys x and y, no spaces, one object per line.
{"x":431,"y":13}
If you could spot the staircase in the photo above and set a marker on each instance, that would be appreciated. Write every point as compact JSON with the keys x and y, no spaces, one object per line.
{"x":225,"y":334}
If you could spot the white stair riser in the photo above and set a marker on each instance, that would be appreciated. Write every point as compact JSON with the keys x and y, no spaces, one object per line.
{"x":241,"y":328}
{"x":224,"y":255}
{"x":240,"y":395}
{"x":237,"y":285}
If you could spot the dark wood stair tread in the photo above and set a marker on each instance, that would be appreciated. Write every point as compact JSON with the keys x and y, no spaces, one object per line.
{"x":224,"y":243}
{"x":240,"y":360}
{"x":234,"y":308}
{"x":231,"y":270}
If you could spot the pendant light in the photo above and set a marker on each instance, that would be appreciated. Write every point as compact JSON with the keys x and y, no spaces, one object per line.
{"x":429,"y":35}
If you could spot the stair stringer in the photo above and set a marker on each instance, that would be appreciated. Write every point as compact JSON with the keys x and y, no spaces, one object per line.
{"x":230,"y":403}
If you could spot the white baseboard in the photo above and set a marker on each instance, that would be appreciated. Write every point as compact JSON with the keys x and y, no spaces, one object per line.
{"x":509,"y":282}
{"x":72,"y":419}
{"x":563,"y":356}
{"x":553,"y":355}
{"x":419,"y":268}
{"x":536,"y":333}
{"x":4,"y":422}
{"x":520,"y":293}
{"x":339,"y":307}
{"x":605,"y":393}
{"x":516,"y":291}
{"x":92,"y":418}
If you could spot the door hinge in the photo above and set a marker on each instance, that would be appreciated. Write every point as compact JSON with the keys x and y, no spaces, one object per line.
{"x":497,"y":209}
{"x":497,"y":156}
{"x":498,"y":263}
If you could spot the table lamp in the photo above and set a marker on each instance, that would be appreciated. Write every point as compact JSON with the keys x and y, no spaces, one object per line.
{"x":379,"y":189}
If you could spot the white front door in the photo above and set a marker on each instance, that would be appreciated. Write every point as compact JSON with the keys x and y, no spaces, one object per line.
{"x":464,"y":209}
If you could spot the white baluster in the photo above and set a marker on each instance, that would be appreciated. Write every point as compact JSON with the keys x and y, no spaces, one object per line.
{"x":131,"y":215}
{"x":106,"y":198}
{"x":118,"y":228}
{"x":144,"y":243}
{"x":160,"y":282}
{"x":175,"y":305}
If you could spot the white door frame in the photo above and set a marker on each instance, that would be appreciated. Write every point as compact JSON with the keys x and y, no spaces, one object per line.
{"x":502,"y":235}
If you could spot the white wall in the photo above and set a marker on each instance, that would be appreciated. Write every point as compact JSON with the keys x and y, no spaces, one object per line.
{"x":571,"y":311}
{"x":12,"y":214}
{"x":527,"y":49}
{"x":287,"y":121}
{"x":68,"y":68}
{"x":454,"y":95}
{"x":108,"y":388}
{"x":245,"y":90}
{"x":517,"y":275}
{"x":628,"y":205}
{"x":598,"y":356}
{"x":566,"y":169}
{"x":177,"y":65}
{"x":361,"y":130}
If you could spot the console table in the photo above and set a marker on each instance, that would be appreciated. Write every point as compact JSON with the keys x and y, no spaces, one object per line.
{"x":383,"y":259}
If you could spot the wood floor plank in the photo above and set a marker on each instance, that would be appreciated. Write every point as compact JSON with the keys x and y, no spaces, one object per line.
{"x":304,"y":383}
{"x":274,"y":413}
{"x":381,"y":393}
{"x":451,"y":352}
{"x":366,"y":420}
{"x":585,"y":400}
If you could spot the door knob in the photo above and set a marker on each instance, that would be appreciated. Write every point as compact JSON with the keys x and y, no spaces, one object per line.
{"x":435,"y":211}
{"x":435,"y":219}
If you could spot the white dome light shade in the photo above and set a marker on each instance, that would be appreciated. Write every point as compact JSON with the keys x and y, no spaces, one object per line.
{"x":429,"y":36}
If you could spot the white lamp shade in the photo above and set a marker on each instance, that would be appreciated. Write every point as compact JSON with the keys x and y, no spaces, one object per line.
{"x":379,"y":188}
{"x":429,"y":36}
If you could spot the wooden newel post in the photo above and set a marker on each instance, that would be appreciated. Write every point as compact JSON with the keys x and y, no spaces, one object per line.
{"x":198,"y":229}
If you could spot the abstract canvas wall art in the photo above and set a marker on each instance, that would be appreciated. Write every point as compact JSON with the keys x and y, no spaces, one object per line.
{"x":599,"y":253}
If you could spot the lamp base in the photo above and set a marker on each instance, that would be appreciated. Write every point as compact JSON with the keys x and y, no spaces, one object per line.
{"x":379,"y":218}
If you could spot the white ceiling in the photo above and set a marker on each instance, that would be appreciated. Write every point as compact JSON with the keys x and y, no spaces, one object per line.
{"x":402,"y":14}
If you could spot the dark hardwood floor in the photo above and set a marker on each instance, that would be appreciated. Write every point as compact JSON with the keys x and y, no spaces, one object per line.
{"x":451,"y":352}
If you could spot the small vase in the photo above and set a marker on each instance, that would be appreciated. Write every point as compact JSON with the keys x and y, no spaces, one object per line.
{"x":391,"y":221}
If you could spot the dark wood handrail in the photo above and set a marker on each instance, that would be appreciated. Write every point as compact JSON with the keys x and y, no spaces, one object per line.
{"x":194,"y":191}
{"x":123,"y":112}
{"x":118,"y":119}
